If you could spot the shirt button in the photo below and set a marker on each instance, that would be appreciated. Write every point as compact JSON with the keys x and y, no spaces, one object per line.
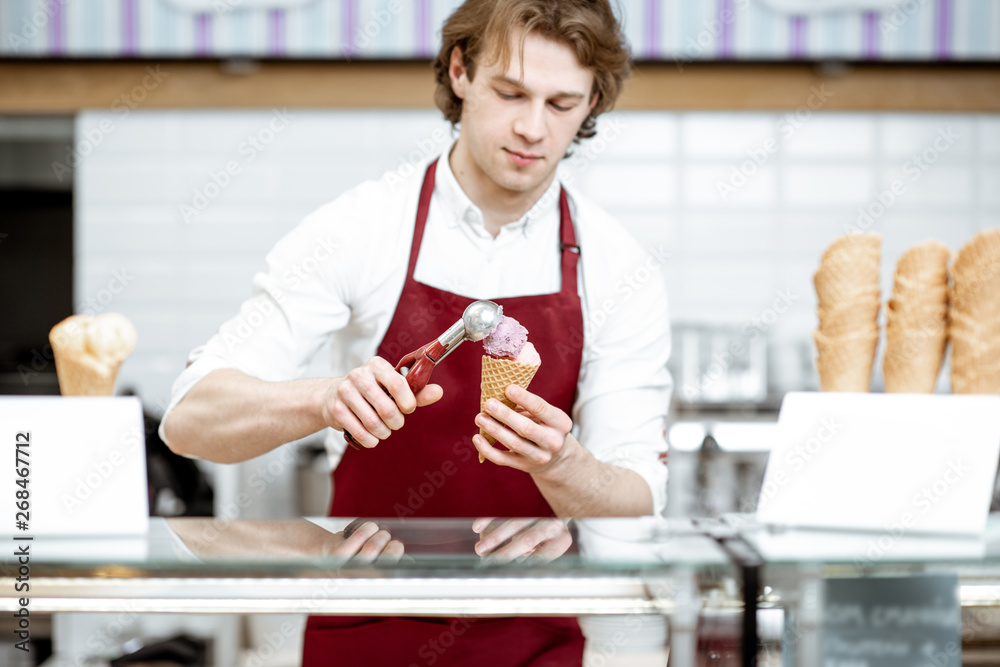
{"x":470,"y":215}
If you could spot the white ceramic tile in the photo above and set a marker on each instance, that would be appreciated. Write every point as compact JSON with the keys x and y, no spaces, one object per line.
{"x":110,"y":132}
{"x":902,"y":229}
{"x":745,"y":235}
{"x":626,"y":186}
{"x":725,"y":135}
{"x":636,"y":134}
{"x":989,"y":135}
{"x":843,"y":187}
{"x":652,"y":230}
{"x":232,"y":132}
{"x":729,"y":185}
{"x":741,"y":288}
{"x":124,"y":182}
{"x":804,"y":236}
{"x":128,"y":238}
{"x":935,"y":135}
{"x":939,"y":184}
{"x":830,"y":136}
{"x":141,"y":213}
{"x":989,"y":185}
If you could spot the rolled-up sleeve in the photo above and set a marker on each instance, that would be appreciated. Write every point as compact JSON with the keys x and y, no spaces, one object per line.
{"x":625,"y":386}
{"x":293,"y":308}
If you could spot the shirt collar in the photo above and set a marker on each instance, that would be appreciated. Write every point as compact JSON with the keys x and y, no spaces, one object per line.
{"x":459,"y":208}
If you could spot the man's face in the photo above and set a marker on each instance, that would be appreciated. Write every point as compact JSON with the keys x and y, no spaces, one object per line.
{"x":517,"y":126}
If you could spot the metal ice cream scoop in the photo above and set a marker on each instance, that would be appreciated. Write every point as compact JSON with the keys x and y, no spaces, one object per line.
{"x":478,"y":320}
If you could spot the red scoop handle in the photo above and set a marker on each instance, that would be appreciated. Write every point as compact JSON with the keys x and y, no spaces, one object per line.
{"x":419,"y":365}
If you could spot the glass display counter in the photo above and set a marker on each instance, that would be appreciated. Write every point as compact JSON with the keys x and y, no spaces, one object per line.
{"x":600,"y":568}
{"x":676,"y":570}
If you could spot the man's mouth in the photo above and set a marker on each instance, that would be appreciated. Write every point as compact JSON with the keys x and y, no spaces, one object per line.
{"x":523,"y":159}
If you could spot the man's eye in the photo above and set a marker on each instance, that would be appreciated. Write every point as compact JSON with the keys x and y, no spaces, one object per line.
{"x":507,"y":96}
{"x":559,"y":107}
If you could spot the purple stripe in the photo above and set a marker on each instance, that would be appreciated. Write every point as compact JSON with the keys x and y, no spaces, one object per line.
{"x":423,"y":32}
{"x":726,"y":18}
{"x":652,"y":28}
{"x":943,"y":37}
{"x":871,"y":35}
{"x":57,"y":41}
{"x":798,"y":36}
{"x":276,"y":32}
{"x":347,"y":31}
{"x":202,"y":25}
{"x":128,"y":27}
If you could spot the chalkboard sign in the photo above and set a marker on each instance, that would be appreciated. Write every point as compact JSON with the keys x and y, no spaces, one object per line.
{"x":891,"y":622}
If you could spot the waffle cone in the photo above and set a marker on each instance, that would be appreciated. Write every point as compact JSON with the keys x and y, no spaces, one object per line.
{"x":497,"y":375}
{"x":913,"y":359}
{"x":88,"y":352}
{"x":845,"y":363}
{"x":916,"y":329}
{"x":925,"y":262}
{"x":968,"y":381}
{"x":978,"y":255}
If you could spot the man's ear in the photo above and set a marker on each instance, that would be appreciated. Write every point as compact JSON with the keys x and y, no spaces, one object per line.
{"x":593,"y":102}
{"x":458,"y":73}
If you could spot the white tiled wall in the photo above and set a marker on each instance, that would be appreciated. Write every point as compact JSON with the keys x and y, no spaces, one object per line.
{"x":658,"y":172}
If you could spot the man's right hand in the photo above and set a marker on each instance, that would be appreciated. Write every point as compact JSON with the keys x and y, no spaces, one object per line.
{"x":370,"y":402}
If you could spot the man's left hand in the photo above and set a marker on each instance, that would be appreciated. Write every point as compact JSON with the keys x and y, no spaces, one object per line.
{"x":536,"y":435}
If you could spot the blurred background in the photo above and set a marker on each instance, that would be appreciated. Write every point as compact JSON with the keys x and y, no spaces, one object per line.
{"x":153,"y":151}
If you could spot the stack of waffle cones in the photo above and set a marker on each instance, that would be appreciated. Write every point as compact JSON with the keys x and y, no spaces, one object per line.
{"x":498,"y":374}
{"x":847,"y":288}
{"x":916,"y":330}
{"x":89,"y":351}
{"x":975,"y":316}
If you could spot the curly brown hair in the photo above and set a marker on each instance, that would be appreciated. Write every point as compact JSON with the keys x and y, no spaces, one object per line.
{"x":482,"y":28}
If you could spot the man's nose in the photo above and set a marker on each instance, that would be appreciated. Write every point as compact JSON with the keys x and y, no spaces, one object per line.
{"x":530,"y":123}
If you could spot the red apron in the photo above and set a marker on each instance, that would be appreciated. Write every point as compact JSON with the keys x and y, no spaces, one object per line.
{"x":430,"y":468}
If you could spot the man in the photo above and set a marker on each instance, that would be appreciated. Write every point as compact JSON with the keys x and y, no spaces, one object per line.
{"x":394,"y":265}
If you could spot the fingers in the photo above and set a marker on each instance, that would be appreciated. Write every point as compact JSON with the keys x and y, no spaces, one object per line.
{"x":365,"y":542}
{"x":371,"y":401}
{"x":393,"y":552}
{"x":525,"y":442}
{"x":432,"y":393}
{"x":544,"y":539}
{"x":356,"y":539}
{"x":542,"y":428}
{"x":537,"y":406}
{"x":481,"y":524}
{"x":498,"y":535}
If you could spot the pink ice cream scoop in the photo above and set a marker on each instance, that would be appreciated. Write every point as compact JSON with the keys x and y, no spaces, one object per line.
{"x":507,"y":340}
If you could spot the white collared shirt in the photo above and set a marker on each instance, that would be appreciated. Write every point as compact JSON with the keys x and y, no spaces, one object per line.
{"x":336,"y":278}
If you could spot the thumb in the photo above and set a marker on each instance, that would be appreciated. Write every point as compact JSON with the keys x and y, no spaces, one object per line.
{"x":432,"y":393}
